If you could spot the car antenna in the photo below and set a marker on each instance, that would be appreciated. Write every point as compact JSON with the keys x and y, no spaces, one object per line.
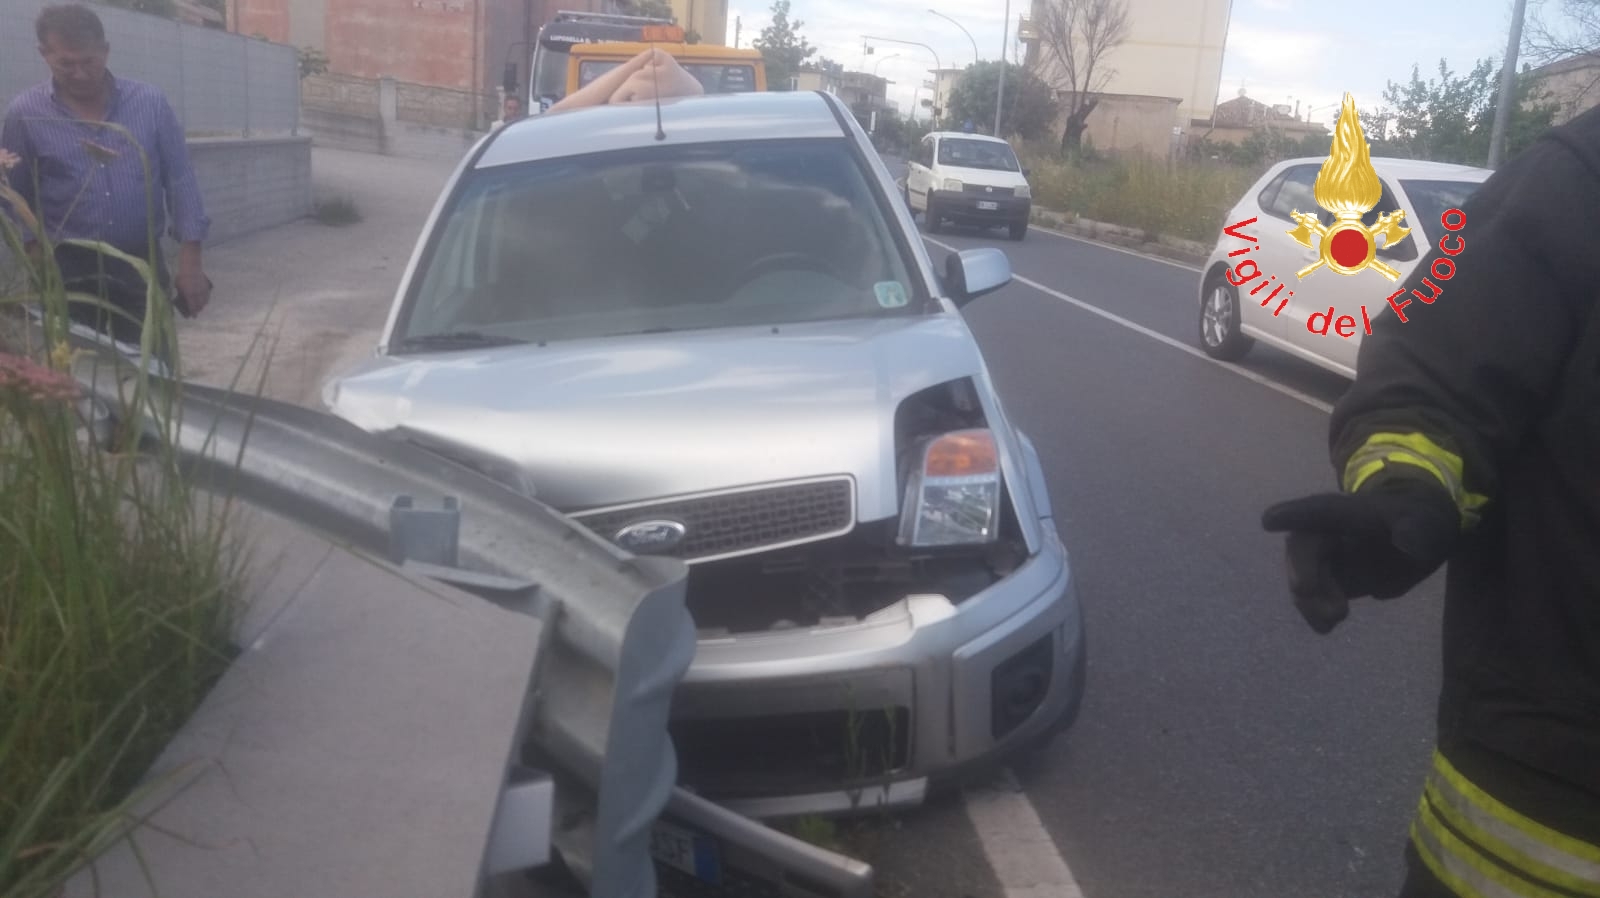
{"x":655,"y":78}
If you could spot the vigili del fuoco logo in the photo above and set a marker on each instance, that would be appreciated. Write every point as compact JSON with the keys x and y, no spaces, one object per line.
{"x":1348,"y":187}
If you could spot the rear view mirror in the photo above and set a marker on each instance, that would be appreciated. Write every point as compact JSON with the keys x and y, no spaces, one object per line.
{"x":972,"y":273}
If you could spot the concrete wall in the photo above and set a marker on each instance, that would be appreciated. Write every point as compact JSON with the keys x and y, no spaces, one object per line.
{"x":391,"y":117}
{"x":1140,"y":125}
{"x":250,"y":184}
{"x":1174,"y":48}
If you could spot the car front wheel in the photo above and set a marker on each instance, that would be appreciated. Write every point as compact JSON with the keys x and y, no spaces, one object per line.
{"x":930,"y":215}
{"x":1220,"y":334}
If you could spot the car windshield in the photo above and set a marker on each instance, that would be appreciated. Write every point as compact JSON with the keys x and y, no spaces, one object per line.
{"x":550,"y":71}
{"x":1431,"y":199}
{"x":985,"y":154}
{"x":726,"y":235}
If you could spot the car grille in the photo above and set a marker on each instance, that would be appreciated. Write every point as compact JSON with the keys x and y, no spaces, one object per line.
{"x":980,"y":190}
{"x":739,"y":522}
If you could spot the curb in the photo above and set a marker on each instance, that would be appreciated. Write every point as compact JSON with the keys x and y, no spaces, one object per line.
{"x":1186,"y":251}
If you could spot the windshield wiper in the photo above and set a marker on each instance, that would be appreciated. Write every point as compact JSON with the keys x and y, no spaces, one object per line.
{"x":458,"y":340}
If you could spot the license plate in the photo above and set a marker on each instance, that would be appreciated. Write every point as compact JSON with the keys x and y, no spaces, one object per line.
{"x":987,"y":206}
{"x":682,"y":850}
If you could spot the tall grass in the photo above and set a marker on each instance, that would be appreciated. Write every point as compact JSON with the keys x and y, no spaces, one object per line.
{"x":1179,"y":199}
{"x":116,"y":584}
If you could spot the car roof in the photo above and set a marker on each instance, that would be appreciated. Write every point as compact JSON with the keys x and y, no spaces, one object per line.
{"x":757,"y":115}
{"x":1407,"y":169}
{"x":984,"y":137}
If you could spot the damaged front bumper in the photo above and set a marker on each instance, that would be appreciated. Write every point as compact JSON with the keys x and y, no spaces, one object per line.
{"x":868,"y":715}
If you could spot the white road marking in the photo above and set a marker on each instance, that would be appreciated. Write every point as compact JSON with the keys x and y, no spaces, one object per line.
{"x":1019,"y":849}
{"x":1159,"y":337}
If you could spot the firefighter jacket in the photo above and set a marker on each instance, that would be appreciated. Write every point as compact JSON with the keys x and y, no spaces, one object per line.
{"x":1490,"y":386}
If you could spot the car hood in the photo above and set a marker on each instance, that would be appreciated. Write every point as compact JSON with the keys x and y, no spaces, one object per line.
{"x":983,"y":176}
{"x":591,"y":423}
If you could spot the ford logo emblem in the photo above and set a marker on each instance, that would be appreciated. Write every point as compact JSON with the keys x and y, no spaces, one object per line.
{"x":650,"y":536}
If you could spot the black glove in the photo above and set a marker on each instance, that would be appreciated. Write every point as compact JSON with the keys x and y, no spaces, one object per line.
{"x":1380,"y":541}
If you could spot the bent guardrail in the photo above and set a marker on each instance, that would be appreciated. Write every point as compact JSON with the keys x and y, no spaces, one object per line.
{"x":618,"y":637}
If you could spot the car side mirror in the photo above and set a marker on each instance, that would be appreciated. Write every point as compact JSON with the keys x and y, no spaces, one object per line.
{"x":508,"y":78}
{"x":972,"y":273}
{"x":1026,"y":173}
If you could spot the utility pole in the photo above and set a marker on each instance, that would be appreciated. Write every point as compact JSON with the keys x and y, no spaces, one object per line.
{"x":738,"y":26}
{"x":1005,"y":37}
{"x":1508,"y":86}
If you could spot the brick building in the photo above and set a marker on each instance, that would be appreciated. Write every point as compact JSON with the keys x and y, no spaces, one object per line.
{"x":456,"y":44}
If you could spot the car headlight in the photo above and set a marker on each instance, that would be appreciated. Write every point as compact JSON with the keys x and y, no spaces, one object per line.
{"x":952,"y":185}
{"x":953,"y":494}
{"x":1024,"y":192}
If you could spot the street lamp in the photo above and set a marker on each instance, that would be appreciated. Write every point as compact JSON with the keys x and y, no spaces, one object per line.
{"x":882,"y":61}
{"x":963,"y":31}
{"x":895,"y":40}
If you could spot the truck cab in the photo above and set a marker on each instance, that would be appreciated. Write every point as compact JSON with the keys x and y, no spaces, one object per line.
{"x":574,"y":48}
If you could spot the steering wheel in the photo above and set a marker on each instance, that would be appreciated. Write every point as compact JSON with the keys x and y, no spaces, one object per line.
{"x":783,"y":261}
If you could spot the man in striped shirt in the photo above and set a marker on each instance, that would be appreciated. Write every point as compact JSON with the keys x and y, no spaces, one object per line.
{"x":103,"y":158}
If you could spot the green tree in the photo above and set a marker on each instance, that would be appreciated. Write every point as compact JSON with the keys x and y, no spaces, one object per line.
{"x":1030,"y":111}
{"x":1450,"y":119}
{"x":783,"y":49}
{"x":656,"y":9}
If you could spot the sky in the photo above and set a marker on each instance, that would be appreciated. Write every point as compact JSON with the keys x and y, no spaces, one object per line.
{"x":1279,"y":51}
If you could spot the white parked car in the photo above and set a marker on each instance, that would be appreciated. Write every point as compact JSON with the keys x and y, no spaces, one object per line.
{"x":1231,"y":319}
{"x":969,"y":179}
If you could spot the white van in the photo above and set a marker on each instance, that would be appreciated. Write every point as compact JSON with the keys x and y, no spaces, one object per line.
{"x":969,"y":179}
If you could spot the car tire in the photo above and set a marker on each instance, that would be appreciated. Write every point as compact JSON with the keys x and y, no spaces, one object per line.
{"x":1220,"y":335}
{"x":931,"y":216}
{"x":1019,"y":230}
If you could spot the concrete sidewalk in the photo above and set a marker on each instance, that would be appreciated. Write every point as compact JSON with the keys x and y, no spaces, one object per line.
{"x":322,"y":292}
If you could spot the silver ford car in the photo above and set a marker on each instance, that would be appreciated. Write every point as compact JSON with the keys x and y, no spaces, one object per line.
{"x":711,"y":331}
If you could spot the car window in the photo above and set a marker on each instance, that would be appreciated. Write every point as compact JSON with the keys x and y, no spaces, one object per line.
{"x":1386,"y":204}
{"x":1268,"y":193}
{"x":984,"y":154}
{"x":758,"y":233}
{"x":925,"y":152}
{"x":1430,"y":200}
{"x":1296,"y":194}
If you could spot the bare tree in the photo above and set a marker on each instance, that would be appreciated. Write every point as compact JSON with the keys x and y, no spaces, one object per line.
{"x":1574,"y":35}
{"x":1076,"y":35}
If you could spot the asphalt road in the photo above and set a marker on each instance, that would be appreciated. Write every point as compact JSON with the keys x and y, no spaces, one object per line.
{"x":1224,"y":749}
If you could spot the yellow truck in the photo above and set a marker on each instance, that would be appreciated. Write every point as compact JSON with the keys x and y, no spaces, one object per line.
{"x":719,"y":69}
{"x":574,"y":48}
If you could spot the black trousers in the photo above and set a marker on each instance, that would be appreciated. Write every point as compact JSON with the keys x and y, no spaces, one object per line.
{"x":116,"y":282}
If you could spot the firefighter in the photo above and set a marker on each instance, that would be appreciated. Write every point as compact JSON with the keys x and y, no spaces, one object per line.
{"x":1470,"y":439}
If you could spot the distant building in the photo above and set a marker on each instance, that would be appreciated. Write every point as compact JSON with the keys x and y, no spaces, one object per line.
{"x":457,"y":44}
{"x":706,"y":18}
{"x":1235,"y":120}
{"x":1173,"y":52}
{"x":1572,"y":84}
{"x":863,"y":93}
